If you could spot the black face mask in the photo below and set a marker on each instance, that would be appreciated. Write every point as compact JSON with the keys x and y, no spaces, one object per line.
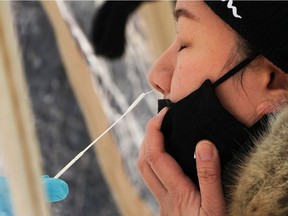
{"x":200,"y":116}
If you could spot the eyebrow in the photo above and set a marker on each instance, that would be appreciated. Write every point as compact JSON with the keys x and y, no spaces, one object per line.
{"x":184,"y":13}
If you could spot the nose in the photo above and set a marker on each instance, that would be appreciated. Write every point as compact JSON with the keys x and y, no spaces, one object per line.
{"x":160,"y":75}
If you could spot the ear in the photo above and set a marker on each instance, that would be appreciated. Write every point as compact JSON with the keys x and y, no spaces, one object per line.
{"x":275,"y":94}
{"x":278,"y":80}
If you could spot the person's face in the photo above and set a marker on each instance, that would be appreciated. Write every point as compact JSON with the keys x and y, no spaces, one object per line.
{"x":200,"y":51}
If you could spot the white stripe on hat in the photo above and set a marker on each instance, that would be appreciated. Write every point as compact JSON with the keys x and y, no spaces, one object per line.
{"x":234,"y":9}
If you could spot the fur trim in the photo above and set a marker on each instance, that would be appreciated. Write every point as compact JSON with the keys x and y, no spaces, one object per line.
{"x":261,"y":186}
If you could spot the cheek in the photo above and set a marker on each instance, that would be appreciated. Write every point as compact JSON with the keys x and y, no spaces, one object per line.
{"x":240,"y":101}
{"x":186,"y":79}
{"x":245,"y":110}
{"x":190,"y":73}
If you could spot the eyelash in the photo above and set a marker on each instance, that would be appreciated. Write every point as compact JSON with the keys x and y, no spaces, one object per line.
{"x":181,"y":48}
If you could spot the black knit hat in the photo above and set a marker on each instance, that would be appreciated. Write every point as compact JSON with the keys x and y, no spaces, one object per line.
{"x":264,"y":24}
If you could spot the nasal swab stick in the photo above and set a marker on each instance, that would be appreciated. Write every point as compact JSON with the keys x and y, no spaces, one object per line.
{"x":130,"y":108}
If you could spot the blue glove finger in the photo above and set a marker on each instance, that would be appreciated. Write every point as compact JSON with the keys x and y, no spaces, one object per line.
{"x":5,"y":204}
{"x":56,"y":189}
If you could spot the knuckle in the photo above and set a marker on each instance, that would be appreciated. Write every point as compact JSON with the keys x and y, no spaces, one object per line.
{"x":177,"y":199}
{"x":162,"y":212}
{"x":150,"y":157}
{"x":165,"y":208}
{"x":143,"y":170}
{"x":180,"y":196}
{"x":151,"y":124}
{"x":208,"y":175}
{"x":140,"y":160}
{"x":210,"y":212}
{"x":140,"y":164}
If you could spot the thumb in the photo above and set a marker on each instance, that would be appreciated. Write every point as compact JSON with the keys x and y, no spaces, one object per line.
{"x":209,"y":174}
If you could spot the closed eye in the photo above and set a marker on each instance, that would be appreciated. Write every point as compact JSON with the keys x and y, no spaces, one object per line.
{"x":181,"y":48}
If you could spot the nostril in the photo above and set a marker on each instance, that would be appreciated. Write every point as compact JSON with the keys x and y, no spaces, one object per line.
{"x":160,"y":89}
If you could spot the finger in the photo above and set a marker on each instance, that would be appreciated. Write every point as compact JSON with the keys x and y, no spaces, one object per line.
{"x":209,"y":174}
{"x":163,"y":165}
{"x":151,"y":180}
{"x":149,"y":177}
{"x":56,"y":189}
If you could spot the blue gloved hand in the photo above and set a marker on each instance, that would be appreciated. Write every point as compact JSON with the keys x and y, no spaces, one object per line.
{"x":5,"y":204}
{"x":56,"y":190}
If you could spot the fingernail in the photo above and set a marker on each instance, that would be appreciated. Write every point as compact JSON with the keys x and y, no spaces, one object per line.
{"x":205,"y":150}
{"x":163,"y":111}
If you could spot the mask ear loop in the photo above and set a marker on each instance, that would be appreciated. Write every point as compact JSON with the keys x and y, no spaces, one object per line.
{"x":233,"y":71}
